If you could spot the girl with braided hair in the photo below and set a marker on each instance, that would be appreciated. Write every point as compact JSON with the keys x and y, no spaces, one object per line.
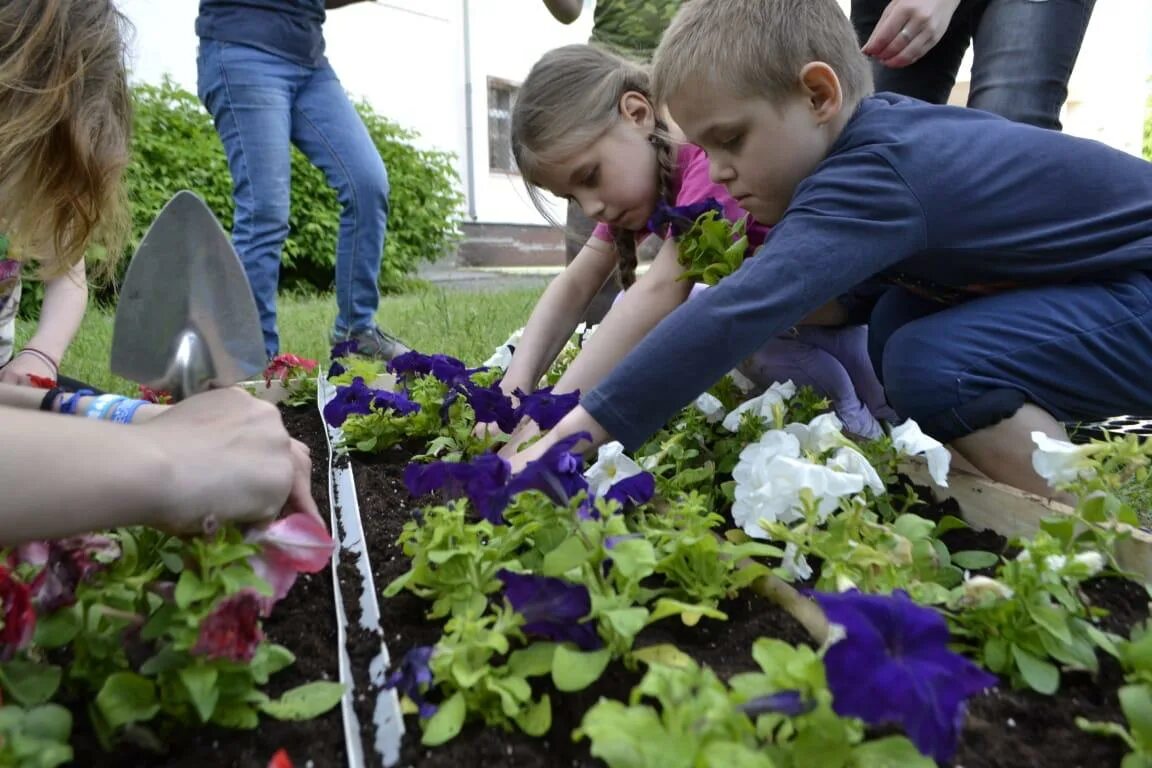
{"x":584,"y":128}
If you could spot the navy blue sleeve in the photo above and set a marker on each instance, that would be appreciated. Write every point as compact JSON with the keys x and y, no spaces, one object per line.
{"x":853,"y":217}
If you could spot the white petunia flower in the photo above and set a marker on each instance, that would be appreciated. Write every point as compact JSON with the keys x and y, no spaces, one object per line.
{"x":762,"y":405}
{"x":711,"y":407}
{"x":742,"y":382}
{"x":1092,"y":561}
{"x":502,"y":357}
{"x":824,"y":432}
{"x":611,"y":466}
{"x":770,"y":478}
{"x":907,"y":438}
{"x":1061,"y":462}
{"x":795,"y":563}
{"x":1056,"y":562}
{"x":978,"y":587}
{"x":852,"y":461}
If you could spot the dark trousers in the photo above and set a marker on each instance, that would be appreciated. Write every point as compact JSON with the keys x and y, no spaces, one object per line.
{"x":1023,"y":54}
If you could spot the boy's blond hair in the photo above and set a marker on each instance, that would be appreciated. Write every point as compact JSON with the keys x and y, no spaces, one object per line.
{"x":65,"y":126}
{"x":756,"y":48}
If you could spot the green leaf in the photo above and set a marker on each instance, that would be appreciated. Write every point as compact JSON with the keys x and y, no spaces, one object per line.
{"x":626,"y":622}
{"x":305,"y":702}
{"x":57,"y":629}
{"x":532,"y":661}
{"x":536,"y":720}
{"x":570,"y":554}
{"x":1052,"y":619}
{"x":635,"y":559}
{"x":29,"y":683}
{"x":127,"y":698}
{"x":1136,"y":701}
{"x":574,"y":670}
{"x":200,"y":682}
{"x":888,"y":752}
{"x":236,"y":715}
{"x":443,"y":726}
{"x":1041,"y":676}
{"x":688,"y":613}
{"x":950,"y":523}
{"x":665,"y":654}
{"x":189,"y":589}
{"x":50,"y":722}
{"x":975,"y":559}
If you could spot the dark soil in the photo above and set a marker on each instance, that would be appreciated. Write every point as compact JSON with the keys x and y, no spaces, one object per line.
{"x":305,"y":623}
{"x":1005,"y":728}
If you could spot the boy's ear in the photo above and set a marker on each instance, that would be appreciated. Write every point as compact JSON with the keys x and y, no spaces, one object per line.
{"x":821,"y":87}
{"x":636,"y":108}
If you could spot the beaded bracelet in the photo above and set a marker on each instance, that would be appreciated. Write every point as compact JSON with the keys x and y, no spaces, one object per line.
{"x":69,"y":405}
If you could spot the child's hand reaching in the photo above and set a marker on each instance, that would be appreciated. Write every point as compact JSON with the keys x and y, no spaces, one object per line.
{"x":24,"y":365}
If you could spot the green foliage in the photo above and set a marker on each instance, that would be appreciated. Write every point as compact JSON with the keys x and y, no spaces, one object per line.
{"x":175,"y":147}
{"x":713,"y":248}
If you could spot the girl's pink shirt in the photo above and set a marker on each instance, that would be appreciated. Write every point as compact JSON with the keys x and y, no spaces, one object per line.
{"x":692,"y":185}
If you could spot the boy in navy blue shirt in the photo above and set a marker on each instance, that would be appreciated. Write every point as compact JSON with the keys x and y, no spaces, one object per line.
{"x":1015,"y":263}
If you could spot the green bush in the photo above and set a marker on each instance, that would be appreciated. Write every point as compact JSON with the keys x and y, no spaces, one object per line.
{"x":176,"y":147}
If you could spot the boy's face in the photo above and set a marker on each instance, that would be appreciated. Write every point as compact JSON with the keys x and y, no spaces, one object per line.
{"x":758,"y":150}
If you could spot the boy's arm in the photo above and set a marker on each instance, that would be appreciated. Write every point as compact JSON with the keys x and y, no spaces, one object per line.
{"x":564,"y":11}
{"x":655,"y":294}
{"x":856,"y":220}
{"x":557,"y":314}
{"x":65,"y":301}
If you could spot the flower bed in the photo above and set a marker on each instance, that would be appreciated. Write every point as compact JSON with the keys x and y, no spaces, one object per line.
{"x":527,"y":604}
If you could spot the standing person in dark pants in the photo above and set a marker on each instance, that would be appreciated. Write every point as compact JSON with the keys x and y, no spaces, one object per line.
{"x":1024,"y":51}
{"x":630,"y":28}
{"x":263,"y":76}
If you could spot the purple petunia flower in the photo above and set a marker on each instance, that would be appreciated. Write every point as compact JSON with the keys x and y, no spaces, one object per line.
{"x":637,"y":489}
{"x":558,"y":474}
{"x":789,"y":703}
{"x":544,"y":407}
{"x":552,"y":608}
{"x":894,"y":665}
{"x":335,"y":369}
{"x":491,"y":405}
{"x":483,"y":480}
{"x":679,"y":219}
{"x":413,"y":677}
{"x":358,"y":399}
{"x":445,"y":368}
{"x":345,"y":348}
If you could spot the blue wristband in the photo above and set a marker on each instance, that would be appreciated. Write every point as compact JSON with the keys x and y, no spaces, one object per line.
{"x":123,"y":412}
{"x":69,"y":405}
{"x":101,"y":405}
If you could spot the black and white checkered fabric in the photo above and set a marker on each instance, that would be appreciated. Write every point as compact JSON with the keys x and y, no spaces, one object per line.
{"x":1117,"y":425}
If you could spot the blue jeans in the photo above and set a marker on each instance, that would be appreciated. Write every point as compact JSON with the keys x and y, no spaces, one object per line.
{"x":1080,"y":351}
{"x":262,"y":104}
{"x":1023,"y":54}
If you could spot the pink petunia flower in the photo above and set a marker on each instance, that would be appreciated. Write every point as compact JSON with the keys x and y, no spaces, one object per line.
{"x":295,"y":544}
{"x":232,"y":631}
{"x":17,"y":614}
{"x":284,"y":367}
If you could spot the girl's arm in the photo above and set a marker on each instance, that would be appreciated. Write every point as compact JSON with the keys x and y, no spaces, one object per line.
{"x":639,"y":310}
{"x":65,"y":301}
{"x":557,"y":313}
{"x":222,"y":456}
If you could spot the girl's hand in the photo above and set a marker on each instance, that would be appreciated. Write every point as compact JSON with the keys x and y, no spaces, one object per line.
{"x":908,"y":29}
{"x":21,"y":366}
{"x":525,"y":432}
{"x":231,"y":459}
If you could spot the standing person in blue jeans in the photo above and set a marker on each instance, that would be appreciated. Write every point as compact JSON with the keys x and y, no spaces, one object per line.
{"x":263,"y":76}
{"x":1023,"y":51}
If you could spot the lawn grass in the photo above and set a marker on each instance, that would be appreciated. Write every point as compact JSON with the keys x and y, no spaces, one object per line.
{"x":465,"y":324}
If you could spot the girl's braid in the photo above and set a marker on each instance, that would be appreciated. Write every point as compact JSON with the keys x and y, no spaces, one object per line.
{"x":625,"y":239}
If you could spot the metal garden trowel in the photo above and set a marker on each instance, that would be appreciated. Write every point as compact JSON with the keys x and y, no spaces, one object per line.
{"x":186,"y":320}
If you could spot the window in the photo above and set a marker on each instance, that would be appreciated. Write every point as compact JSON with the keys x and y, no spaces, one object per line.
{"x":501,"y":97}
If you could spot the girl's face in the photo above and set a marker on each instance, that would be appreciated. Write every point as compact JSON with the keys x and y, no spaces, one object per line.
{"x":615,"y":179}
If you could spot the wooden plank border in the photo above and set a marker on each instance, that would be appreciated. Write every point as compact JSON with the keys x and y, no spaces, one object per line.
{"x":1010,"y":512}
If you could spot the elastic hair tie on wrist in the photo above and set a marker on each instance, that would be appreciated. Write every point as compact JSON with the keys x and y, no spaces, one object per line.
{"x":50,"y":398}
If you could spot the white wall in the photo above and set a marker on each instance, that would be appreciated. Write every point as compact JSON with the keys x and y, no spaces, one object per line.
{"x":508,"y":36}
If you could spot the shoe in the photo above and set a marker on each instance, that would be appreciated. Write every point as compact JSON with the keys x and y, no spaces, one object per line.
{"x":375,"y":343}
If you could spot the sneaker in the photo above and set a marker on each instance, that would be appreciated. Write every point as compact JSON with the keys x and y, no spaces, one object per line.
{"x":375,"y":343}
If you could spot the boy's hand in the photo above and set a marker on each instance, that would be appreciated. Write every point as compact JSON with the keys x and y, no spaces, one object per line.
{"x":908,"y":29}
{"x":20,"y":367}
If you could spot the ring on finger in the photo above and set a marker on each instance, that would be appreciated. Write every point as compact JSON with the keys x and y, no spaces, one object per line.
{"x":904,"y":33}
